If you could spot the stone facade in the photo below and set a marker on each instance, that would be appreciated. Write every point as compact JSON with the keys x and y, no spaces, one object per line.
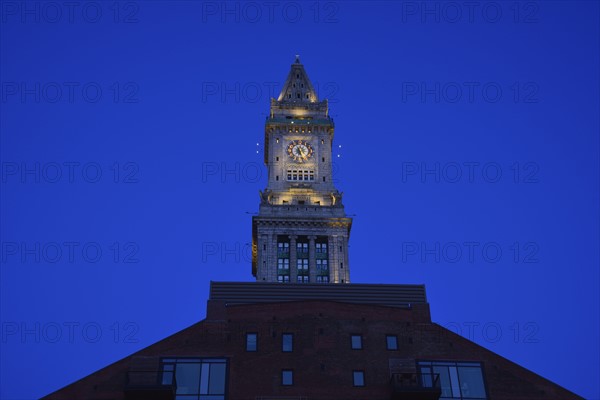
{"x":300,"y":202}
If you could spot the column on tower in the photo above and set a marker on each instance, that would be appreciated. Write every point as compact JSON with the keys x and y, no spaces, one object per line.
{"x":334,"y":259}
{"x":345,"y":271}
{"x":293,"y":258}
{"x":312,"y":273}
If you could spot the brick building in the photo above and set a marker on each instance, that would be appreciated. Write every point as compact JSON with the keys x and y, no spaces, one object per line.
{"x":302,"y":331}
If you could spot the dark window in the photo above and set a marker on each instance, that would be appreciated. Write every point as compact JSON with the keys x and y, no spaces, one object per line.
{"x":392,"y":342}
{"x":276,"y":158}
{"x":457,"y":380}
{"x":251,"y":341}
{"x":356,"y":341}
{"x":358,"y":378}
{"x":204,"y":377}
{"x":287,"y":377}
{"x":287,"y":342}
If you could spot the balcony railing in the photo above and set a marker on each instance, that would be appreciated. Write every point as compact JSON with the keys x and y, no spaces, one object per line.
{"x":412,"y":385}
{"x":148,"y":385}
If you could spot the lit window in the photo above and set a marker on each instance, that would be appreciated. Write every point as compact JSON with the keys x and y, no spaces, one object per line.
{"x":457,"y":380}
{"x":302,"y":247}
{"x":358,"y":378}
{"x":287,"y":342}
{"x":321,"y":247}
{"x":287,"y":377}
{"x":251,"y":341}
{"x":283,"y":263}
{"x":356,"y":342}
{"x":303,"y":279}
{"x":300,"y":175}
{"x":391,"y":342}
{"x":204,"y":377}
{"x":302,"y":264}
{"x":322,"y":279}
{"x":283,"y":247}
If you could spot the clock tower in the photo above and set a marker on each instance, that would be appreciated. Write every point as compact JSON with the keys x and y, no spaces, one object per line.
{"x":301,"y":232}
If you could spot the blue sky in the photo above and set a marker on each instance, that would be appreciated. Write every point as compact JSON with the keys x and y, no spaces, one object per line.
{"x":130,"y":168}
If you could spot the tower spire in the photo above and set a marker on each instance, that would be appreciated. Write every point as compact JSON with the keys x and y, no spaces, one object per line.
{"x":297,"y":87}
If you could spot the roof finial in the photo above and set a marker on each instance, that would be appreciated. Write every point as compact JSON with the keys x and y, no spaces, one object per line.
{"x":297,"y":58}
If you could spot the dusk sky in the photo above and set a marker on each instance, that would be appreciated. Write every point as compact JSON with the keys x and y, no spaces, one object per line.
{"x":131,"y":148}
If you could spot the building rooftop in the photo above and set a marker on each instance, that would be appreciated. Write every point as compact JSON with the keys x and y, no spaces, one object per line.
{"x":271,"y":292}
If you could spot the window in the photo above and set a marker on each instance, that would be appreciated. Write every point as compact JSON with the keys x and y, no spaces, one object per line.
{"x":196,"y":377}
{"x":322,"y":279}
{"x":251,"y":341}
{"x":283,"y":247}
{"x":300,"y":175}
{"x":392,"y":342}
{"x":303,"y":279}
{"x":458,"y":380}
{"x":321,"y":247}
{"x":283,"y":264}
{"x":302,"y":247}
{"x":356,"y":341}
{"x":287,"y":377}
{"x":283,"y":261}
{"x":302,"y":264}
{"x":358,"y":378}
{"x":287,"y":342}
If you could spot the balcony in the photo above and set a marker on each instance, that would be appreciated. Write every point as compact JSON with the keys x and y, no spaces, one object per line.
{"x":415,"y":386}
{"x":147,"y":385}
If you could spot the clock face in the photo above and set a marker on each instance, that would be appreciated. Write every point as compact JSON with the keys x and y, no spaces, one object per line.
{"x":299,"y":151}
